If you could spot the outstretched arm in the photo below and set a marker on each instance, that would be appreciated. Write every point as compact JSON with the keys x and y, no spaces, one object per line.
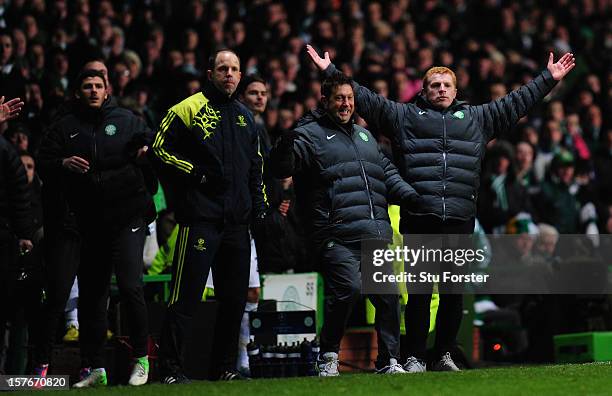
{"x":503,"y":113}
{"x":378,"y":111}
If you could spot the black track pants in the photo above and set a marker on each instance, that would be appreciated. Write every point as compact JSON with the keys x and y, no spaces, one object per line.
{"x":198,"y":248}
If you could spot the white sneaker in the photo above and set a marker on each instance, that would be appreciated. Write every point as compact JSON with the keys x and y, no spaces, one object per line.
{"x":140,"y":372}
{"x":445,"y":364}
{"x":414,"y":365}
{"x":327,"y":365}
{"x":96,"y":377}
{"x":393,"y":368}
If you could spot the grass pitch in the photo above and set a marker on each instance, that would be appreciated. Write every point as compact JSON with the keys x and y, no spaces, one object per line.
{"x":570,"y":379}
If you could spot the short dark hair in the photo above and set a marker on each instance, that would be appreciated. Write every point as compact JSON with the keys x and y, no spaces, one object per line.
{"x":248,"y":80}
{"x":89,"y":73}
{"x":334,"y":81}
{"x":213,"y":57}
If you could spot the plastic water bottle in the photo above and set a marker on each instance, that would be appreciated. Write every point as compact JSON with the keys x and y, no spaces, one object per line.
{"x":267,"y":361}
{"x":305,"y":357}
{"x":315,"y":348}
{"x":293,"y":361}
{"x":254,"y":359}
{"x":281,"y":359}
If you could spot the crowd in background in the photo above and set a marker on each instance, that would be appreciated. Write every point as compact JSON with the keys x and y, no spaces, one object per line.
{"x":155,"y":52}
{"x":556,"y":166}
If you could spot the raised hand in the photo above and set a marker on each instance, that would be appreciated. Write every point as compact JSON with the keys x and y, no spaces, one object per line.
{"x":10,"y":109}
{"x":321,"y":63}
{"x":562,"y":66}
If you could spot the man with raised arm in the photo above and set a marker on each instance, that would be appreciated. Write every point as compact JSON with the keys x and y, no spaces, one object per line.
{"x":439,"y":144}
{"x":348,"y":181}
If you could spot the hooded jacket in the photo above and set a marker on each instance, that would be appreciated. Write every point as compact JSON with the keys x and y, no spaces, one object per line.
{"x":346,"y":177}
{"x":113,"y":191}
{"x":209,"y":152}
{"x":439,"y":152}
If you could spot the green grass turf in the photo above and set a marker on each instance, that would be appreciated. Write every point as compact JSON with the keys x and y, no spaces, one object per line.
{"x":571,"y":379}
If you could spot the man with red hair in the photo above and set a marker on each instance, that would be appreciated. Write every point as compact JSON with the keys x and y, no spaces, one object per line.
{"x":439,"y":144}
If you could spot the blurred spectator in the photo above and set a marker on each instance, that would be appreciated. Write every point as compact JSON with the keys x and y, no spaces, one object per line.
{"x":282,"y":250}
{"x":525,"y":174}
{"x":502,"y":196}
{"x":558,"y":202}
{"x":11,"y":76}
{"x":19,"y":137}
{"x":546,"y":242}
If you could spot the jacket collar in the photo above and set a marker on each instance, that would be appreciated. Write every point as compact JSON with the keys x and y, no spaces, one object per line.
{"x":424,"y":103}
{"x":323,"y":118}
{"x":214,"y":95}
{"x":95,"y":115}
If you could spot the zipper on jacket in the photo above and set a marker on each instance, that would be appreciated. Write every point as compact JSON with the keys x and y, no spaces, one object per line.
{"x":367,"y":184}
{"x":365,"y":178}
{"x":363,"y":173}
{"x":444,"y":174}
{"x":95,"y":158}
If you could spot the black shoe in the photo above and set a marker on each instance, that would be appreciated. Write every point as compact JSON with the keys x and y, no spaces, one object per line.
{"x":232,"y":375}
{"x":176,"y":378}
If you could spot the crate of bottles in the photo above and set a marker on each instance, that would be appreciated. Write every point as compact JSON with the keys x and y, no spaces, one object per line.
{"x":283,"y":360}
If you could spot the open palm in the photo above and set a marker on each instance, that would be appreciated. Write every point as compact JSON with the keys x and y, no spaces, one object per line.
{"x":321,"y":63}
{"x":562,"y":66}
{"x":10,"y":109}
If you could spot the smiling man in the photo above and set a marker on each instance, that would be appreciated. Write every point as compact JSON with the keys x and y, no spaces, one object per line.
{"x":208,"y":148}
{"x":349,"y":181}
{"x":440,"y":144}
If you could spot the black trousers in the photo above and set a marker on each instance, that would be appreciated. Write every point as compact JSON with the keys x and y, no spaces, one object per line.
{"x":103,"y":251}
{"x":199,"y":247}
{"x":341,"y":269}
{"x":62,"y":248}
{"x":450,"y":310}
{"x":20,"y":300}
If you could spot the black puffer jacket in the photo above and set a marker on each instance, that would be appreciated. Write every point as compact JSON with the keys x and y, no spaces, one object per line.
{"x":15,"y":216}
{"x":440,"y":152}
{"x":113,"y":191}
{"x":349,"y":179}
